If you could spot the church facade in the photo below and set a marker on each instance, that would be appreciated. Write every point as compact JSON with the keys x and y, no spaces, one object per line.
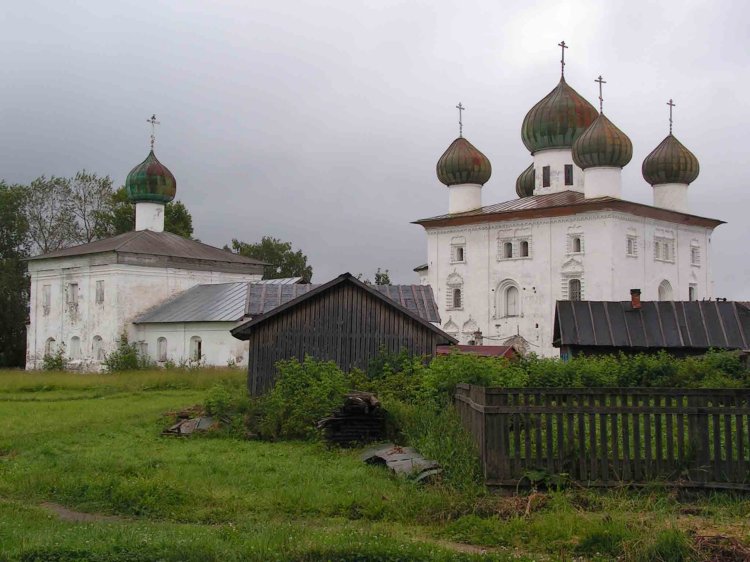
{"x":497,"y":270}
{"x":85,"y":297}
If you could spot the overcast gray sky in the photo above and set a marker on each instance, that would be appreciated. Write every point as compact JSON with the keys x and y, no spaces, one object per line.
{"x":320,"y":123}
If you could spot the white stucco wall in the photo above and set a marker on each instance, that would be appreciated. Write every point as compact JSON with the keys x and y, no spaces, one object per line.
{"x":556,"y":159}
{"x":129,"y":290}
{"x":464,"y":197}
{"x":671,"y":196}
{"x":604,"y":268}
{"x":218,"y":347}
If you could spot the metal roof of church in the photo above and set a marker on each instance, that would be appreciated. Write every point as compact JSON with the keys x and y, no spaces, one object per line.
{"x":560,"y":204}
{"x":152,"y":243}
{"x":230,"y":302}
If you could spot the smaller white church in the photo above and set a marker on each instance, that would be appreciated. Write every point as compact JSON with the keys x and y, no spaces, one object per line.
{"x":571,"y":235}
{"x":86,"y":296}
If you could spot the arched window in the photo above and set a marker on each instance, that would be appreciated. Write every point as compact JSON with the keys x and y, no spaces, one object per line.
{"x":576,"y":244}
{"x":456,"y":298}
{"x":511,"y":301}
{"x":49,"y":346}
{"x":97,"y":348}
{"x":161,"y":349}
{"x":508,"y":250}
{"x":524,"y":248}
{"x":75,"y":347}
{"x":665,"y":291}
{"x":196,"y":348}
{"x":459,"y":253}
{"x":574,"y":290}
{"x":692,"y":289}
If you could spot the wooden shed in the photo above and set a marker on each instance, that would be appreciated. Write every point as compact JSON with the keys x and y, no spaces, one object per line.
{"x":344,"y":320}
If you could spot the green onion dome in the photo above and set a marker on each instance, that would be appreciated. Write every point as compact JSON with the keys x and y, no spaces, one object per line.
{"x":602,"y":144}
{"x":670,"y":162}
{"x":557,"y":120}
{"x":525,"y":182}
{"x":463,"y":163}
{"x":151,"y":181}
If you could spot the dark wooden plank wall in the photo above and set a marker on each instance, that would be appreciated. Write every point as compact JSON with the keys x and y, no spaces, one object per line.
{"x":608,"y":437}
{"x":345,"y":324}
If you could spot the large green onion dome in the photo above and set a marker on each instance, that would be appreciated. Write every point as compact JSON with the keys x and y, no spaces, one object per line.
{"x":151,"y":181}
{"x":602,"y":144}
{"x":670,"y":162}
{"x":463,"y":163}
{"x":558,"y":120}
{"x":525,"y":182}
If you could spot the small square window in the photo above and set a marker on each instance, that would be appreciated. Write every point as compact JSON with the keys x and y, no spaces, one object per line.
{"x":546,"y":176}
{"x":568,"y":174}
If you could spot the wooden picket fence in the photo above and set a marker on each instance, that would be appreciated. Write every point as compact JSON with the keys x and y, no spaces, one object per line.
{"x":610,"y":436}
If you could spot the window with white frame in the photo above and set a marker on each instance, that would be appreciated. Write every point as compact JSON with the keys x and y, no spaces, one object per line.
{"x":72,"y":296}
{"x":631,"y":246}
{"x":514,"y":248}
{"x":508,"y":250}
{"x":75,"y":347}
{"x":97,"y":348}
{"x":665,"y":291}
{"x":664,"y":249}
{"x":458,"y":249}
{"x":574,"y":290}
{"x":695,"y":255}
{"x":196,"y":348}
{"x":161,"y":350}
{"x":523,"y":248}
{"x":99,"y":292}
{"x":512,"y":301}
{"x":49,"y":346}
{"x":454,"y":293}
{"x":46,"y":299}
{"x":575,"y":244}
{"x":693,"y":292}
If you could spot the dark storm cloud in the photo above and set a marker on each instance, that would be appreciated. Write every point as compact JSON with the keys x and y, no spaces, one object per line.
{"x":321,"y":122}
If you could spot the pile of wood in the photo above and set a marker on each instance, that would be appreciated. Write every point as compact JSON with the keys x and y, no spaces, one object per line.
{"x":359,"y":420}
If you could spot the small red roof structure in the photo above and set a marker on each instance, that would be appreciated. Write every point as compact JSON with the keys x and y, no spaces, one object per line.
{"x":507,"y":351}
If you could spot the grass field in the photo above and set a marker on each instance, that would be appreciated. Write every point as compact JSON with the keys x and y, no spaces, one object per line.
{"x":91,"y":444}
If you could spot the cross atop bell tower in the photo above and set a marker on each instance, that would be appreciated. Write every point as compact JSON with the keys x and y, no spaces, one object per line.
{"x":562,"y":46}
{"x":460,"y":108}
{"x":671,"y":104}
{"x":154,"y":123}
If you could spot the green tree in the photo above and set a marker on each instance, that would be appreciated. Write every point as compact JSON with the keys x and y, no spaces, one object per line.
{"x":120,"y":217}
{"x":14,"y":283}
{"x":90,"y":199}
{"x":281,"y":259}
{"x":382,"y":277}
{"x":48,"y":211}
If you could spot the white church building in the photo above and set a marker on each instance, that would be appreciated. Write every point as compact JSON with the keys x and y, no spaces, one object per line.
{"x":571,"y":235}
{"x":87,"y":296}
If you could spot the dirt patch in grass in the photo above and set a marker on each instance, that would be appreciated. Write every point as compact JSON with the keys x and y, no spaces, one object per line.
{"x":66,"y":514}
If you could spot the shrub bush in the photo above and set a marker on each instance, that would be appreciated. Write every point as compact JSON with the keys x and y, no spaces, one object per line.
{"x":126,"y":357}
{"x":303,"y":394}
{"x":55,"y":361}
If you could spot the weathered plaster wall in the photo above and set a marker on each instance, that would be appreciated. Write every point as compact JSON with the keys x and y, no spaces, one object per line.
{"x":218,"y":347}
{"x":128,"y":291}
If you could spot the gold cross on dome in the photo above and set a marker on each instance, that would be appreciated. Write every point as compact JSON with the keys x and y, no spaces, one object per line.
{"x":671,"y":104}
{"x":601,"y":81}
{"x":154,"y":123}
{"x":562,"y":46}
{"x":460,"y":108}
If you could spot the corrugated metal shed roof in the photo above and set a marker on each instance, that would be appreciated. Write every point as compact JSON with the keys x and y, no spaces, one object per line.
{"x":669,"y":324}
{"x":155,"y":244}
{"x":230,"y":302}
{"x":282,"y":281}
{"x":221,"y":302}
